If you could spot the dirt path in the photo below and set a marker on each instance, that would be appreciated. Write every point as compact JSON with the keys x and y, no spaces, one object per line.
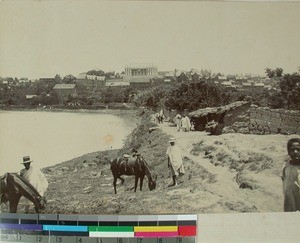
{"x":266,"y":197}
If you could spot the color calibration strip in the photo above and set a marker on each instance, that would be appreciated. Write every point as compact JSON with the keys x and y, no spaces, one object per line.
{"x":144,"y":227}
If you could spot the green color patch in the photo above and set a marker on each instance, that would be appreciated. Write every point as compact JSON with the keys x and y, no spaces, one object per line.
{"x":111,"y":228}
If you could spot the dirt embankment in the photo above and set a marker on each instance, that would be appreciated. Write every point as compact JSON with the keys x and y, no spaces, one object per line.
{"x":229,"y":173}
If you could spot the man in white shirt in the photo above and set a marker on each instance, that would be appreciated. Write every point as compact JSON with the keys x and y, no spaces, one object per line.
{"x":35,"y":177}
{"x":175,"y":162}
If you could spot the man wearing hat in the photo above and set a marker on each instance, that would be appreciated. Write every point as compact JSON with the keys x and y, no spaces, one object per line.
{"x":175,"y":162}
{"x":177,"y":121}
{"x":35,"y":177}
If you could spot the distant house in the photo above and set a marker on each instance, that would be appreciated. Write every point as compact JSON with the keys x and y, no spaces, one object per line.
{"x":240,"y":77}
{"x":167,"y":80}
{"x":140,"y":83}
{"x":164,"y":73}
{"x":65,"y":90}
{"x":47,"y":80}
{"x":222,"y":78}
{"x":116,"y":82}
{"x":100,"y":81}
{"x":30,"y":96}
{"x":205,"y":74}
{"x":23,"y":80}
{"x":228,"y":84}
{"x":247,"y":85}
{"x":81,"y":76}
{"x":182,"y":77}
{"x":195,"y":77}
{"x":91,"y":82}
{"x":258,"y":86}
{"x":91,"y":77}
{"x":169,"y":77}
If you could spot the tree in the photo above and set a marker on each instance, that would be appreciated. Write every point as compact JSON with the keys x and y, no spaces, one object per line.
{"x":57,"y":79}
{"x":108,"y":74}
{"x":290,"y":90}
{"x":152,"y":97}
{"x":95,"y":72}
{"x":271,"y":73}
{"x":196,"y":95}
{"x":278,"y":72}
{"x":69,"y":79}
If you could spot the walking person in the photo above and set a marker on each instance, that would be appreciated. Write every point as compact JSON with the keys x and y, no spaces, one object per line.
{"x":186,"y":124}
{"x":35,"y":177}
{"x":291,"y":177}
{"x":177,"y":121}
{"x":175,"y":162}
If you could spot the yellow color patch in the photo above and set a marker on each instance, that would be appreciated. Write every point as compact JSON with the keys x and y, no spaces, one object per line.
{"x":155,"y":228}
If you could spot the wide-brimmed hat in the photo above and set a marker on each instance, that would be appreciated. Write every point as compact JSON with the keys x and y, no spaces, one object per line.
{"x":26,"y":159}
{"x":172,"y":140}
{"x":126,"y":156}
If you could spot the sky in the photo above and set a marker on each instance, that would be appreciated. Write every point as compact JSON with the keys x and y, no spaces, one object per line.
{"x":45,"y":38}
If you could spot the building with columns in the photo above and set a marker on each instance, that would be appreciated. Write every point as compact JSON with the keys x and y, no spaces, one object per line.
{"x":140,"y":74}
{"x":140,"y":70}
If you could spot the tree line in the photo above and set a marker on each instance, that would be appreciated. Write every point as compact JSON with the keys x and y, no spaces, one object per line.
{"x":193,"y":96}
{"x":178,"y":96}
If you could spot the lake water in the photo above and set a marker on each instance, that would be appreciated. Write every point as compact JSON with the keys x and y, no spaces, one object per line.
{"x":54,"y":137}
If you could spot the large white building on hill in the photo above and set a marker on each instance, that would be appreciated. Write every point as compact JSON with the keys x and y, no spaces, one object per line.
{"x":140,"y":74}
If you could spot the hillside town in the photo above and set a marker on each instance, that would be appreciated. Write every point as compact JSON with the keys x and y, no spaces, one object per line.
{"x":89,"y":85}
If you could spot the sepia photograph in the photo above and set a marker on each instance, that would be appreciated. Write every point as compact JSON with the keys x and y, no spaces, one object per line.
{"x":149,"y":107}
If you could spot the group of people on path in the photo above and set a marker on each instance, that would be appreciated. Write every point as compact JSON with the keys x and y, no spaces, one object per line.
{"x":290,"y":171}
{"x":157,"y":118}
{"x":183,"y":124}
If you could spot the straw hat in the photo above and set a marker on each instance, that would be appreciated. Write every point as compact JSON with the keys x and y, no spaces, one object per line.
{"x":26,"y":159}
{"x":172,"y":140}
{"x":126,"y":156}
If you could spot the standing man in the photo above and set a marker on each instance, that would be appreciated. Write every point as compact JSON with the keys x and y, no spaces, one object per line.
{"x":35,"y":177}
{"x":291,"y":177}
{"x":177,"y":121}
{"x":175,"y":162}
{"x":186,"y":124}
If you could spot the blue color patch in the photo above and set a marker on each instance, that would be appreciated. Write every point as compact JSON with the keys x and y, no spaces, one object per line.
{"x":68,"y":228}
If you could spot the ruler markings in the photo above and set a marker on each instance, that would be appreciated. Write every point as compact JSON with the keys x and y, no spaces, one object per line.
{"x":75,"y":239}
